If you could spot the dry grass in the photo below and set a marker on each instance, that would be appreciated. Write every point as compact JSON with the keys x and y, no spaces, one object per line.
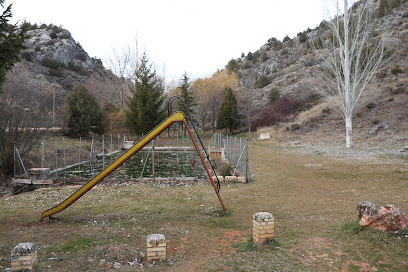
{"x":314,"y":209}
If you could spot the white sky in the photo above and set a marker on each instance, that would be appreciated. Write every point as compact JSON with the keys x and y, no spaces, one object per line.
{"x":193,"y":36}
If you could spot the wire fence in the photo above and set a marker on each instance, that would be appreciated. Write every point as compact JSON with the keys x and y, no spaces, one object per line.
{"x":85,"y":157}
{"x":235,"y":151}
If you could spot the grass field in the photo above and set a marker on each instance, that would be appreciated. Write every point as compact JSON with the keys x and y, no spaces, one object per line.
{"x":314,"y":208}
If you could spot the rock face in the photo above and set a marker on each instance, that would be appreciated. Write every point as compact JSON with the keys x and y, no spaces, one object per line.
{"x":382,"y":218}
{"x":53,"y":53}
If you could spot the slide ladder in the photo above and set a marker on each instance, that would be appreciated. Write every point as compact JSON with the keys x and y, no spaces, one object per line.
{"x":176,"y":117}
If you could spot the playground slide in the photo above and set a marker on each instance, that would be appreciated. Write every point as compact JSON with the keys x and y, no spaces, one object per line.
{"x":176,"y":117}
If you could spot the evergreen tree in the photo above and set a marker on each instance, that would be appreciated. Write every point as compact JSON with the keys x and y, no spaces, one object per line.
{"x":228,"y":115}
{"x":145,"y":107}
{"x":12,"y":40}
{"x":186,"y":95}
{"x":84,"y":113}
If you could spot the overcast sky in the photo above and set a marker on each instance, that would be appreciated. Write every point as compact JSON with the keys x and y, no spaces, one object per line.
{"x":193,"y":36}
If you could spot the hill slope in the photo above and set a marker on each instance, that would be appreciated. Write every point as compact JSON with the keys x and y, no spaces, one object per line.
{"x":285,"y":66}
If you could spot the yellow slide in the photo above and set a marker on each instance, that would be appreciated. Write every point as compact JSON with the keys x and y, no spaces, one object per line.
{"x":176,"y":117}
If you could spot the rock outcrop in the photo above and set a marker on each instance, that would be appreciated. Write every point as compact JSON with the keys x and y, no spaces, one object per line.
{"x":382,"y":218}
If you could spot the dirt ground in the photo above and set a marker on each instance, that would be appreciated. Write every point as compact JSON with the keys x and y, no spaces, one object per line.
{"x":312,"y":191}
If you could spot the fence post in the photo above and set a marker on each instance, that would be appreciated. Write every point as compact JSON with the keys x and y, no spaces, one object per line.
{"x":63,"y":143}
{"x":247,"y":163}
{"x":153,"y":159}
{"x":79,"y":153}
{"x":56,"y":159}
{"x":103,"y":151}
{"x":42,"y":154}
{"x":14,"y":153}
{"x":111,"y":144}
{"x":118,"y":141}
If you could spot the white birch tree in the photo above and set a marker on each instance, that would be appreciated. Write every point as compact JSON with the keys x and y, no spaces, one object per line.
{"x":352,"y":58}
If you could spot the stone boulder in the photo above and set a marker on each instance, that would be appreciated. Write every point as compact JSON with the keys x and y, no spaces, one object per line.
{"x":382,"y":218}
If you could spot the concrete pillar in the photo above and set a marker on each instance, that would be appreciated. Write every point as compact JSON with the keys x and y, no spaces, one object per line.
{"x":263,"y":227}
{"x":24,"y":257}
{"x":156,"y":247}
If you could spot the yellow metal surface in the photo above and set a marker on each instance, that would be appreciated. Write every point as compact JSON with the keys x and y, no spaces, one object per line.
{"x":176,"y":117}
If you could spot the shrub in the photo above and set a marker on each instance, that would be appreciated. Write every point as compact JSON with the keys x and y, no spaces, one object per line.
{"x":371,"y":105}
{"x":26,"y":55}
{"x":232,"y":65}
{"x":50,"y":42}
{"x":64,"y":36}
{"x":318,"y":43}
{"x":326,"y":111}
{"x":286,"y":38}
{"x":273,"y":95}
{"x":249,"y":56}
{"x":51,"y":63}
{"x":261,"y":82}
{"x":284,"y":51}
{"x":295,"y":127}
{"x":37,"y":48}
{"x":243,"y":55}
{"x":264,"y":57}
{"x":396,"y":70}
{"x":225,"y":169}
{"x":274,"y":113}
{"x":43,"y":26}
{"x":303,"y":37}
{"x":53,"y":35}
{"x":59,"y":72}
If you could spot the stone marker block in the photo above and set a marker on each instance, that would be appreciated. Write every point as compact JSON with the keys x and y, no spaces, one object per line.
{"x":39,"y":173}
{"x":230,"y":178}
{"x":241,"y":179}
{"x":220,"y":178}
{"x":263,"y":227}
{"x":24,"y":257}
{"x":156,"y":247}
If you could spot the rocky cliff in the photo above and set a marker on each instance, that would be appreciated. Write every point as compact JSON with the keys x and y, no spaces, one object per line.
{"x":53,"y":53}
{"x":286,"y":66}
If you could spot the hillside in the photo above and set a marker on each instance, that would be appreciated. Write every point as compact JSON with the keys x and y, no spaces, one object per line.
{"x":53,"y":53}
{"x":286,"y":67}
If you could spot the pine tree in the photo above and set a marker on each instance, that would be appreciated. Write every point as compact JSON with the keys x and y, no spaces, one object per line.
{"x":84,"y":113}
{"x":187,"y":95}
{"x":228,"y":115}
{"x":12,"y":40}
{"x":145,"y":107}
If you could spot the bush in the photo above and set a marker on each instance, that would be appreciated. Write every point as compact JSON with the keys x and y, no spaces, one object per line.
{"x":396,"y":70}
{"x":81,"y":56}
{"x":261,"y":82}
{"x":51,"y":63}
{"x":53,"y":35}
{"x":232,"y":65}
{"x":37,"y":48}
{"x":273,"y":95}
{"x":26,"y":55}
{"x":303,"y":37}
{"x":272,"y":114}
{"x":286,"y":38}
{"x":249,"y":57}
{"x":225,"y":169}
{"x":284,"y":51}
{"x":318,"y":43}
{"x":264,"y":57}
{"x":371,"y":105}
{"x":59,"y":72}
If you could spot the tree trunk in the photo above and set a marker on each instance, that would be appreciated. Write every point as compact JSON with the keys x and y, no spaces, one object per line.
{"x":349,"y":131}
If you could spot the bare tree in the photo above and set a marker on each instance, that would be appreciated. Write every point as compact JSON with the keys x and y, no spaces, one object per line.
{"x":26,"y":111}
{"x":352,"y":57}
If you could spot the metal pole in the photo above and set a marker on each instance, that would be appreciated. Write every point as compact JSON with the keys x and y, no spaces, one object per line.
{"x":103,"y":151}
{"x":118,"y":141}
{"x":153,"y":159}
{"x":42,"y":154}
{"x":56,"y":159}
{"x":226,"y":150}
{"x":111,"y":143}
{"x":14,"y":153}
{"x":79,"y":154}
{"x":63,"y":143}
{"x":235,"y":152}
{"x":240,"y":150}
{"x":247,"y":163}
